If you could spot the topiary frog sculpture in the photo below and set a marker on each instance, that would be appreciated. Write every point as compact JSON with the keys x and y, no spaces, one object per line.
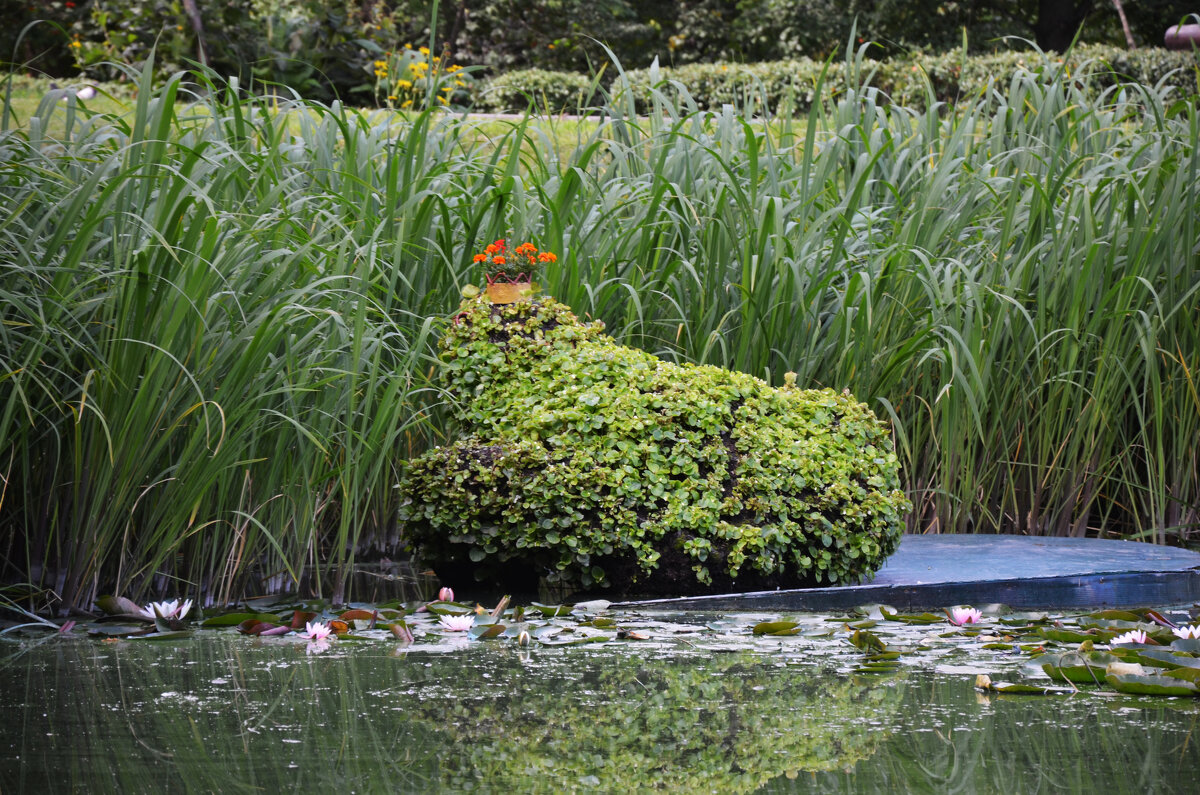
{"x":593,"y":465}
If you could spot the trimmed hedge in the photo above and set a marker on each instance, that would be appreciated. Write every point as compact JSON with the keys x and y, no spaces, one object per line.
{"x":548,"y":92}
{"x":792,"y":84}
{"x":589,"y":463}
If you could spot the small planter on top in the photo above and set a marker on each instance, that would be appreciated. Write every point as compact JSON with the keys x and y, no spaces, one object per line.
{"x":510,"y":273}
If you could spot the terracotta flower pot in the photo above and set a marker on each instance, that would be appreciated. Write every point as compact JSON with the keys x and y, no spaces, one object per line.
{"x":510,"y":292}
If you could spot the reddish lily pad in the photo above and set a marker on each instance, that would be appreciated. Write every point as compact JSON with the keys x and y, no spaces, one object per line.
{"x":252,"y":626}
{"x":119,"y":606}
{"x":301,"y":617}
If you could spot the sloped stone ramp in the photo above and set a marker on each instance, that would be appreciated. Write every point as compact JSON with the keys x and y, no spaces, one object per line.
{"x":932,"y":571}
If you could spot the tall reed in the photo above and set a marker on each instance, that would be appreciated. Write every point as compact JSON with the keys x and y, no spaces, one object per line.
{"x":1015,"y":281}
{"x":216,"y":324}
{"x":218,"y":310}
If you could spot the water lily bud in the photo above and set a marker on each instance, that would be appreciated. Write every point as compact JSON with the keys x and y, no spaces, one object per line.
{"x":1124,"y":669}
{"x":523,"y":639}
{"x":983,"y":681}
{"x":446,"y":595}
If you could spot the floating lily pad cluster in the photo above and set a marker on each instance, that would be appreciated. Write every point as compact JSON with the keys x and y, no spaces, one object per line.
{"x":1057,"y":654}
{"x":591,"y":464}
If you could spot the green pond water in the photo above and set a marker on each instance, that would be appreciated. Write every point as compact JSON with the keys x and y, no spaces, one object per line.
{"x":699,"y":705}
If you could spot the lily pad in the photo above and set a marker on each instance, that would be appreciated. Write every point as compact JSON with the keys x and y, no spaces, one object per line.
{"x":868,"y":641}
{"x":922,"y":618}
{"x":1072,"y":636}
{"x":233,"y":619}
{"x":1166,"y":658}
{"x":177,"y":635}
{"x":1080,"y":668}
{"x":119,"y":606}
{"x":558,"y":640}
{"x":551,"y":611}
{"x":1186,"y":644}
{"x":1151,"y":685}
{"x":1116,"y":615}
{"x":252,"y":626}
{"x":777,"y":628}
{"x":484,"y":631}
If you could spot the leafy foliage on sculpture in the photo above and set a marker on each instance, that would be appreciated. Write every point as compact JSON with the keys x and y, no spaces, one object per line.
{"x":597,"y":465}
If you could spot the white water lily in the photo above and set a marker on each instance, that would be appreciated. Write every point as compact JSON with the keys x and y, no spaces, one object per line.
{"x":168,"y":610}
{"x":457,"y":623}
{"x":964,"y":615}
{"x":315,"y":630}
{"x":1132,"y":636}
{"x":1187,"y":632}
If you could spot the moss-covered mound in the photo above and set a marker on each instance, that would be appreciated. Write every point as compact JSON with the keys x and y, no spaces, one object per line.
{"x":592,"y":464}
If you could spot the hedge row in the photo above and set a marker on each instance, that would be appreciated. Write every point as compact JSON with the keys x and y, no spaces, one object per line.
{"x":780,"y":85}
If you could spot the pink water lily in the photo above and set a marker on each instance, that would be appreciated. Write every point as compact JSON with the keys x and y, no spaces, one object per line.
{"x":1187,"y":632}
{"x":964,"y":615}
{"x":168,"y":610}
{"x":315,"y":630}
{"x":446,"y":595}
{"x":457,"y":623}
{"x":1132,"y":636}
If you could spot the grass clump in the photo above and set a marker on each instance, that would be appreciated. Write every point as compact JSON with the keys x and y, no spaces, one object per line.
{"x":590,"y":463}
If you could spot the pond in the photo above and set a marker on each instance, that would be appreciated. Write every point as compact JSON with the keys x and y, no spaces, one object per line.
{"x":694,"y":702}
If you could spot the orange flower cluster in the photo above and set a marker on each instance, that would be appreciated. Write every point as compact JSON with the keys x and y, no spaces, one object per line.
{"x":518,"y":265}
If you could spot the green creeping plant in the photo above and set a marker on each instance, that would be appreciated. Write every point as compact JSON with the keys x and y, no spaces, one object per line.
{"x":597,"y":465}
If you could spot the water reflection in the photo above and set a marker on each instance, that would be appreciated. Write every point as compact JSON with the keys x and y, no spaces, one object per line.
{"x":226,"y":713}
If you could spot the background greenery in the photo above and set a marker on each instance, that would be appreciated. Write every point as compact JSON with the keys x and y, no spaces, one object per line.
{"x":324,"y":49}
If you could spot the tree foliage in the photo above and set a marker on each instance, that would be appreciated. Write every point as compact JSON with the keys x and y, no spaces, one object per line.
{"x":326,"y":48}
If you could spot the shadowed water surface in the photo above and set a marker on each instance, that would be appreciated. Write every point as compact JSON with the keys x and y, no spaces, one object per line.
{"x":221,"y":712}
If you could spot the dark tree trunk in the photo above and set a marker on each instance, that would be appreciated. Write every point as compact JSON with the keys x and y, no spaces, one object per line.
{"x":193,"y":14}
{"x":1058,"y":21}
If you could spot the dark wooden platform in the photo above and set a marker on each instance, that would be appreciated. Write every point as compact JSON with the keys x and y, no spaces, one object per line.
{"x":933,"y":571}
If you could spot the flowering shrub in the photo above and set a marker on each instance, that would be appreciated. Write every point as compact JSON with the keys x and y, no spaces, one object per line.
{"x":518,"y":265}
{"x":408,"y":78}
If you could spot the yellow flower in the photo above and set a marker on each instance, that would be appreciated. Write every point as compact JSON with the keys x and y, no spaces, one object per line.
{"x":424,"y":50}
{"x":403,"y":84}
